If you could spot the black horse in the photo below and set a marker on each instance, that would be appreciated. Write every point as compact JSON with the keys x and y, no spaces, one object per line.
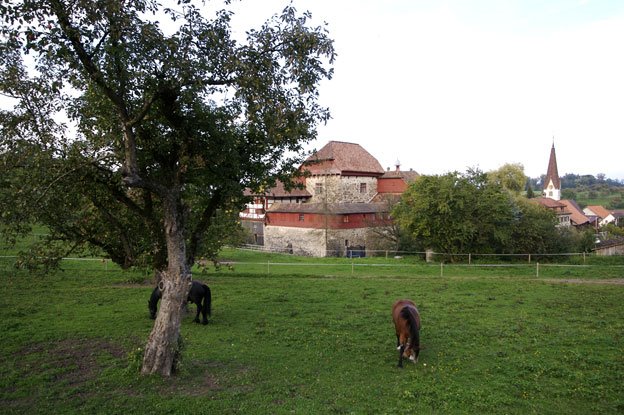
{"x":199,"y":294}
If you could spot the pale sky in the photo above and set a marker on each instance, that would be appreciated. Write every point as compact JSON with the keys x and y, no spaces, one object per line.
{"x":447,"y":85}
{"x":452,"y":84}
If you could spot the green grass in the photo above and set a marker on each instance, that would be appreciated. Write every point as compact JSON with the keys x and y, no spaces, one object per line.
{"x":319,"y":339}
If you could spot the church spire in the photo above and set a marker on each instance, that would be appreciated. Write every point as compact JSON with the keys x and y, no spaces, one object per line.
{"x":552,"y":182}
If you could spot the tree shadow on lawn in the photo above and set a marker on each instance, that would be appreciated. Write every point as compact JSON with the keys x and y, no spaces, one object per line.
{"x":67,"y":372}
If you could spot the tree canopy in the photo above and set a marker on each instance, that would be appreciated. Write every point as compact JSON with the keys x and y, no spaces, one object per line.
{"x":510,"y":176}
{"x":466,"y":213}
{"x":193,"y":111}
{"x":139,"y":142}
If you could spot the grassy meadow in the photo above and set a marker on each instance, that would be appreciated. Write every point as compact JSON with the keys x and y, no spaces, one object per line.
{"x":302,"y":335}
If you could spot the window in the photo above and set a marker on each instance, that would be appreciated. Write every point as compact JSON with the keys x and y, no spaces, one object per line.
{"x":301,"y":217}
{"x":362,"y":187}
{"x":345,"y":219}
{"x":318,"y":188}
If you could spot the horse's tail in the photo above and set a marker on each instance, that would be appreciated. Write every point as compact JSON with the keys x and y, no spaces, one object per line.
{"x":207,"y":300}
{"x":411,"y":315}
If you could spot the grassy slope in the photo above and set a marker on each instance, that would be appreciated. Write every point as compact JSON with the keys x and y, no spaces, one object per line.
{"x":496,"y":341}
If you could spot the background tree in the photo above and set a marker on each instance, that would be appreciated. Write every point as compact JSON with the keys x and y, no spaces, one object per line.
{"x":163,"y":130}
{"x":455,"y":213}
{"x":530,"y":194}
{"x":469,"y":213}
{"x":509,"y":176}
{"x":533,"y":230}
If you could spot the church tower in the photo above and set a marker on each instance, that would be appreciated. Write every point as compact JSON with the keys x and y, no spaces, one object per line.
{"x":552,"y":182}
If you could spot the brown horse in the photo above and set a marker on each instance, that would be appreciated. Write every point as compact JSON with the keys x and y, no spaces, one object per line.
{"x":407,"y":324}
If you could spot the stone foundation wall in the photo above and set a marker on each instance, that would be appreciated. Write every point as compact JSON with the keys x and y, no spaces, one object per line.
{"x":315,"y":242}
{"x":300,"y":241}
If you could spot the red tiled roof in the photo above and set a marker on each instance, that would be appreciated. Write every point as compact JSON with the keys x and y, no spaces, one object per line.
{"x":338,"y":157}
{"x":577,"y":217}
{"x":600,"y":211}
{"x":549,"y":203}
{"x":407,"y":175}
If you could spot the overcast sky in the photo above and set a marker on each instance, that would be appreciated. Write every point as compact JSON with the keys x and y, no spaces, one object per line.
{"x":447,"y":85}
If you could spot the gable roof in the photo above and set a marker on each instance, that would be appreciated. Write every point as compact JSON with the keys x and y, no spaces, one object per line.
{"x":550,"y":203}
{"x":599,"y":211}
{"x":577,"y":217}
{"x":407,"y":175}
{"x":338,"y":157}
{"x":552,"y":173}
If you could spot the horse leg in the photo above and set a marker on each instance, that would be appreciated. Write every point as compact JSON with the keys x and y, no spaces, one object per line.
{"x":197,"y":314}
{"x":401,"y":350}
{"x":203,"y":311}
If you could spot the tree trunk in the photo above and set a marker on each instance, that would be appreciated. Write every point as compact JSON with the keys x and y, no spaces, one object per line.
{"x":161,"y":351}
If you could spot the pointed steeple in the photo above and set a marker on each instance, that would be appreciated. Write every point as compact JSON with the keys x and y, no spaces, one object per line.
{"x":552,"y":182}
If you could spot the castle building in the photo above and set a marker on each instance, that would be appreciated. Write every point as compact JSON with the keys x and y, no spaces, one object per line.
{"x":342,"y":210}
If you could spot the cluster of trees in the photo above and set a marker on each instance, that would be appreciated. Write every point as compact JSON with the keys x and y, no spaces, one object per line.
{"x":577,"y":181}
{"x":138,"y":139}
{"x":477,"y":212}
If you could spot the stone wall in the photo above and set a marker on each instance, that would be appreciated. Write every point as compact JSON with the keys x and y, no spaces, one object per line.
{"x":317,"y":242}
{"x":341,"y":189}
{"x":300,"y":241}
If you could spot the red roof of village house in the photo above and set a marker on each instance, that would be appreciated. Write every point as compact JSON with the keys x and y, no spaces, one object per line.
{"x":338,"y":157}
{"x":577,"y":217}
{"x":549,"y":203}
{"x":600,"y":211}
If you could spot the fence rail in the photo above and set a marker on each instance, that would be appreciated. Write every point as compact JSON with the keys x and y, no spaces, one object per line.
{"x":434,"y":256}
{"x":376,"y":266}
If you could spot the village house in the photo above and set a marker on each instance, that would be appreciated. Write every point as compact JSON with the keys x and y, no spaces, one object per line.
{"x":342,"y":210}
{"x":602,"y":215}
{"x":570,"y":214}
{"x":560,"y":209}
